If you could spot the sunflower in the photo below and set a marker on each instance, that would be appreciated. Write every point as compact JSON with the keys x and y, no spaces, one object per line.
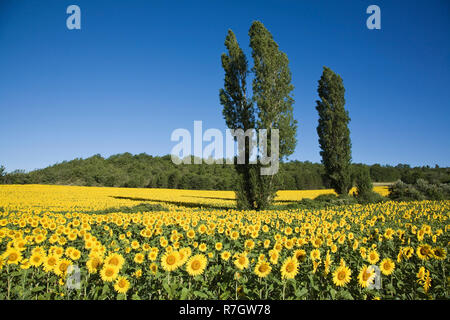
{"x":135,"y":244}
{"x":234,"y":235}
{"x":182,"y":256}
{"x":75,"y":254}
{"x":427,"y":282}
{"x":333,"y":248}
{"x":36,"y":259}
{"x":190,"y":234}
{"x":139,"y":258}
{"x":115,"y":260}
{"x":289,"y":268}
{"x":152,"y":255}
{"x":300,"y":255}
{"x":424,"y":252}
{"x":316,"y":265}
{"x":169,"y":261}
{"x":25,"y":264}
{"x":241,"y":261}
{"x":225,"y":255}
{"x":219,"y":246}
{"x":341,"y":276}
{"x":61,"y":267}
{"x":12,"y":256}
{"x":262,"y":269}
{"x":50,"y":263}
{"x":38,"y":249}
{"x":421,"y":274}
{"x":407,"y":252}
{"x":439,"y":253}
{"x":93,"y":263}
{"x":202,"y":247}
{"x":196,"y":265}
{"x":122,"y":285}
{"x":373,"y":256}
{"x":387,"y":266}
{"x":153,"y":268}
{"x":249,"y":244}
{"x":315,"y":254}
{"x":109,"y":273}
{"x":366,"y":276}
{"x":273,"y":256}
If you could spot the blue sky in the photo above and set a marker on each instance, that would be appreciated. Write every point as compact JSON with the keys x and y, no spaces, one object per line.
{"x":137,"y":70}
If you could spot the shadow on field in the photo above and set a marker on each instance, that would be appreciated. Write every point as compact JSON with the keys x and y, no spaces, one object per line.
{"x":177,"y":203}
{"x":214,"y":198}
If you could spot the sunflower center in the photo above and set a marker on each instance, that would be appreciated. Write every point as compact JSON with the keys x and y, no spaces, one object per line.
{"x":171,"y":260}
{"x":263,"y":268}
{"x":13,"y":256}
{"x":122,"y":283}
{"x":195,"y":265}
{"x":109,"y":272}
{"x":341,"y":275}
{"x":290,"y":267}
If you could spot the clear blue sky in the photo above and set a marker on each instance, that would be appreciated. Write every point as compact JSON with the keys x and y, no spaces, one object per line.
{"x":137,"y":70}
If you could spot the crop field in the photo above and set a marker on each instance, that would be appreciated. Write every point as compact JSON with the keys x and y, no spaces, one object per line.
{"x":67,"y":242}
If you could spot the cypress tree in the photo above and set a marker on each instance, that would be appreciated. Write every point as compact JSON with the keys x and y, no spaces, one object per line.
{"x":333,"y":131}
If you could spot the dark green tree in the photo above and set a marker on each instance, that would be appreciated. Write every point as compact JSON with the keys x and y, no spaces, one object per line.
{"x":238,"y":112}
{"x":272,"y":95}
{"x":173,"y":180}
{"x":333,"y":131}
{"x":363,"y":183}
{"x":2,"y":173}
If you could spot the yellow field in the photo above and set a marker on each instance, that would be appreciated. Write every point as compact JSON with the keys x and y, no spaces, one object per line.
{"x":73,"y":198}
{"x":184,"y":251}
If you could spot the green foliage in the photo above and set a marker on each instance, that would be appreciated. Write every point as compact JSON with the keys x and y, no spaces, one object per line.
{"x":432,"y":191}
{"x":363,"y":183}
{"x":239,"y":113}
{"x":334,"y":135}
{"x":272,"y":95}
{"x":2,"y":173}
{"x":272,"y":88}
{"x":421,"y":190}
{"x":404,"y":192}
{"x":322,"y":201}
{"x":119,"y":170}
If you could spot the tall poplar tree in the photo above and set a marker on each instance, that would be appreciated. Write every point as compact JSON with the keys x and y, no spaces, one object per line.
{"x":239,"y":113}
{"x":333,"y":131}
{"x":269,"y":108}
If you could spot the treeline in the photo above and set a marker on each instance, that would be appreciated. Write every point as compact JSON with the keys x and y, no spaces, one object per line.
{"x":145,"y":171}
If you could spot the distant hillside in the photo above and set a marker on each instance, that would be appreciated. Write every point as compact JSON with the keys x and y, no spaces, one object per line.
{"x":142,"y":170}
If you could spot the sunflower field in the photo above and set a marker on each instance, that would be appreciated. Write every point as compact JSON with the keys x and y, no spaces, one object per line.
{"x":64,"y":242}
